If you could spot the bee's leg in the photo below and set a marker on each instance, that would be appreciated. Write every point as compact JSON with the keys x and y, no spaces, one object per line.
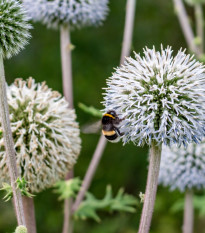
{"x":118,"y":120}
{"x":118,"y":132}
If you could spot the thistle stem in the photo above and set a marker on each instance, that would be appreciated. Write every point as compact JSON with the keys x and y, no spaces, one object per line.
{"x":186,"y":27}
{"x":66,"y":61}
{"x":29,"y":210}
{"x":9,"y":144}
{"x":200,"y":26}
{"x":151,"y":188}
{"x":90,"y":172}
{"x":67,"y":223}
{"x":128,"y":31}
{"x":188,"y":212}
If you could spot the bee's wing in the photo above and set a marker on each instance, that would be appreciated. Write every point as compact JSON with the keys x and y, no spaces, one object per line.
{"x":91,"y":128}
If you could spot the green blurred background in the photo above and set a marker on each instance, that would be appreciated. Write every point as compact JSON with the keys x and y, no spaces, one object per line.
{"x":97,"y":52}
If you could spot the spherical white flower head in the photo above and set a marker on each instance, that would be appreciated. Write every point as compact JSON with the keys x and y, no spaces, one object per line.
{"x":14,"y":28}
{"x":76,"y":13}
{"x":161,"y":97}
{"x":46,"y":135}
{"x":183,"y":168}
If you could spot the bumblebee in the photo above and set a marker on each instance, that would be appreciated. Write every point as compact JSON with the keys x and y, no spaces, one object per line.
{"x":110,"y":124}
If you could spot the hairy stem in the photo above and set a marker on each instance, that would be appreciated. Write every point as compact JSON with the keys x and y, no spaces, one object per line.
{"x":66,"y":61}
{"x":67,"y":223}
{"x":128,"y":30}
{"x":29,"y":210}
{"x":200,"y":25}
{"x":9,"y":145}
{"x":186,"y":27}
{"x":129,"y":24}
{"x":188,"y":212}
{"x":151,"y":188}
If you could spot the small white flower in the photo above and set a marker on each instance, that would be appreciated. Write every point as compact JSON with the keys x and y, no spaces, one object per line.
{"x":76,"y":13}
{"x":45,"y":133}
{"x":160,"y":96}
{"x":183,"y":168}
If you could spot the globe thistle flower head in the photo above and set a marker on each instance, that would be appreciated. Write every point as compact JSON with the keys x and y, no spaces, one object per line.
{"x":183,"y":168}
{"x":161,"y":97}
{"x":14,"y":28}
{"x":21,"y":229}
{"x":75,"y":13}
{"x":45,"y":132}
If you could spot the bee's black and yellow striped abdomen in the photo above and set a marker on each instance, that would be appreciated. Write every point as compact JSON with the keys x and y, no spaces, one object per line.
{"x":110,"y":135}
{"x":110,"y":121}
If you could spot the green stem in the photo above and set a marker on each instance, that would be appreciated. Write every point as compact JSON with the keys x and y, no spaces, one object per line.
{"x":151,"y":188}
{"x":9,"y":145}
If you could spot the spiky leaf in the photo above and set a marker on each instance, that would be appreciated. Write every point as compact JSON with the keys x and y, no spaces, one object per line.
{"x":67,"y":188}
{"x":91,"y":205}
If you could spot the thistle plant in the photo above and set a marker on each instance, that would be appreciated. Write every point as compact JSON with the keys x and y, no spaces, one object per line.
{"x":161,"y":99}
{"x":45,"y":132}
{"x":66,"y":15}
{"x":13,"y":37}
{"x":75,"y":13}
{"x":63,"y":15}
{"x":184,"y":169}
{"x":14,"y":28}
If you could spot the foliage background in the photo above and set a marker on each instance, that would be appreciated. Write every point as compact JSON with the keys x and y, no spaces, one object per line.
{"x":97,"y":51}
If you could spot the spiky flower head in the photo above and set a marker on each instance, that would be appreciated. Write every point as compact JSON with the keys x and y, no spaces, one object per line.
{"x":75,"y":13}
{"x":160,"y":96}
{"x":183,"y":168}
{"x":21,"y":229}
{"x":45,"y":132}
{"x":14,"y":28}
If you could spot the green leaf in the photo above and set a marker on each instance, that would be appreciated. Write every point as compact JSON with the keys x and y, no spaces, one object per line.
{"x":22,"y":185}
{"x":199,"y":204}
{"x":177,"y":206}
{"x":67,"y":188}
{"x":124,"y":202}
{"x":90,"y":110}
{"x":90,"y":206}
{"x":8,"y":189}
